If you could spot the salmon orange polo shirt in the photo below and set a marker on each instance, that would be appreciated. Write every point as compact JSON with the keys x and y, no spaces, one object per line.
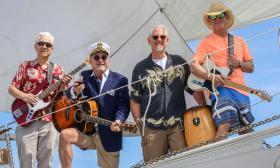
{"x":218,"y":46}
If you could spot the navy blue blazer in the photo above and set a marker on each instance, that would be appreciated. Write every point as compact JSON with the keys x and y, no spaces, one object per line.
{"x":110,"y":106}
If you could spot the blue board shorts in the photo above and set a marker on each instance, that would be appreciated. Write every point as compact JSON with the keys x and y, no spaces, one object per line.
{"x":232,"y":107}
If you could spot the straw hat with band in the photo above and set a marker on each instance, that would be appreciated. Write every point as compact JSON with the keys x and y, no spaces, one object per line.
{"x":216,"y":9}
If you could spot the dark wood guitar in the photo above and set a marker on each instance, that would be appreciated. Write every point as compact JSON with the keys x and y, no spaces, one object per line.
{"x":67,"y":114}
{"x":64,"y":110}
{"x":24,"y":113}
{"x":81,"y":116}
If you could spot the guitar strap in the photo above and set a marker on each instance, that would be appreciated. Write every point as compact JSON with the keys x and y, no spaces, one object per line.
{"x":50,"y":71}
{"x":230,"y":51}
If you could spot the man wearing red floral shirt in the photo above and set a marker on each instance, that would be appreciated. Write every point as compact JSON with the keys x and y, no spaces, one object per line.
{"x":37,"y":140}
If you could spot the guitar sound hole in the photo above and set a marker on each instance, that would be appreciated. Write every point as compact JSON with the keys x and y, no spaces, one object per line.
{"x":86,"y":108}
{"x":78,"y":116}
{"x":196,"y":121}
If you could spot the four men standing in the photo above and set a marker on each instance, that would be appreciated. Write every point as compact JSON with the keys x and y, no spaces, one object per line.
{"x":157,"y":100}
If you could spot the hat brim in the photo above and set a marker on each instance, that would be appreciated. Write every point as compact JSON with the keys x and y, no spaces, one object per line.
{"x":229,"y":22}
{"x":98,"y":50}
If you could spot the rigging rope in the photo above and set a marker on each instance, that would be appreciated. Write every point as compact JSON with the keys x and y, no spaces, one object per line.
{"x":134,"y":33}
{"x":159,"y":9}
{"x":162,"y":9}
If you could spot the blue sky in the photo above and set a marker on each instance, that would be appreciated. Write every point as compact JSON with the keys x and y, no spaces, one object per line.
{"x":266,"y":53}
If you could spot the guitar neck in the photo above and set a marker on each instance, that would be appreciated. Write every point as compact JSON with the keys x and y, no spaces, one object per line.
{"x":54,"y":86}
{"x":89,"y":118}
{"x":241,"y":87}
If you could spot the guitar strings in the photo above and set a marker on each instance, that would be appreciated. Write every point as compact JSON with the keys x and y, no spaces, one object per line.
{"x":145,"y":78}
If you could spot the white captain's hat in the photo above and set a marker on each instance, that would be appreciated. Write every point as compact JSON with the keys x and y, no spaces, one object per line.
{"x":99,"y":46}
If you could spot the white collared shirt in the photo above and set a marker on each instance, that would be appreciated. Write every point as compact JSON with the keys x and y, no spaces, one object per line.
{"x":104,"y":78}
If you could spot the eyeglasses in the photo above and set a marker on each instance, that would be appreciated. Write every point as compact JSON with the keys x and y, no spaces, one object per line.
{"x":221,"y":16}
{"x":98,"y":57}
{"x":162,"y":37}
{"x":48,"y":45}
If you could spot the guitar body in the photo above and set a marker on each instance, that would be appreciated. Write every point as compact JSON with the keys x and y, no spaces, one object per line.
{"x":82,"y":116}
{"x":23,"y":113}
{"x":64,"y":112}
{"x":196,"y":83}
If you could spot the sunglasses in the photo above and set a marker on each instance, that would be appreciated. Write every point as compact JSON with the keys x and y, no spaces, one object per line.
{"x":162,"y":37}
{"x":98,"y":57}
{"x":213,"y":17}
{"x":48,"y":45}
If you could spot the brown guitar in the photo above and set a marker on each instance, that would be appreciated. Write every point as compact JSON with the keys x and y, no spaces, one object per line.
{"x":81,"y":116}
{"x":64,"y":113}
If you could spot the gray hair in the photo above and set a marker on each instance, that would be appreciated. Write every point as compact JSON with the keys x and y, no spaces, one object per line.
{"x":164,"y":28}
{"x":44,"y":36}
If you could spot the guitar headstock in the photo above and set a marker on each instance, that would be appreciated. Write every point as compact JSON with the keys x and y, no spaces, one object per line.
{"x":263,"y":95}
{"x":87,"y":61}
{"x":129,"y":127}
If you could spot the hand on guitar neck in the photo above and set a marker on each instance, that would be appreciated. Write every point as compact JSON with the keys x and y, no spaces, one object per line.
{"x":26,"y":106}
{"x":66,"y":78}
{"x":219,"y":76}
{"x":115,"y":126}
{"x":78,"y":86}
{"x":218,"y":79}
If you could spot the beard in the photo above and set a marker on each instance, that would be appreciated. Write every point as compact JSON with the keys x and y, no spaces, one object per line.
{"x":159,"y":48}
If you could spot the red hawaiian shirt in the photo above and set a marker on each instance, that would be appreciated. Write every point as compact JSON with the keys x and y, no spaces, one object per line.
{"x":31,"y":75}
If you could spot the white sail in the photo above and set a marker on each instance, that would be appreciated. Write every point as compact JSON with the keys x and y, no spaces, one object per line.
{"x":124,"y":24}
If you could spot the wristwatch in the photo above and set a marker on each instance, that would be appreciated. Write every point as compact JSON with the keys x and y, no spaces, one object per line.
{"x":240,"y":64}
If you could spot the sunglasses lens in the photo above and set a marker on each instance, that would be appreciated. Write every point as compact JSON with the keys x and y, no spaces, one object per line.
{"x":222,"y":15}
{"x":97,"y":57}
{"x":213,"y":17}
{"x":162,"y":37}
{"x":48,"y":45}
{"x":155,"y":37}
{"x":104,"y":57}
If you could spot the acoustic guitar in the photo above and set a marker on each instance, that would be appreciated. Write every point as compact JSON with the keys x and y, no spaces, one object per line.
{"x":68,"y":113}
{"x":64,"y":110}
{"x":24,"y":113}
{"x":80,"y":116}
{"x":196,"y":83}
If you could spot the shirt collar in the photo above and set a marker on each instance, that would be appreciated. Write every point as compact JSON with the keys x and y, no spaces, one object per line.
{"x":169,"y":61}
{"x":35,"y":62}
{"x":104,"y":75}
